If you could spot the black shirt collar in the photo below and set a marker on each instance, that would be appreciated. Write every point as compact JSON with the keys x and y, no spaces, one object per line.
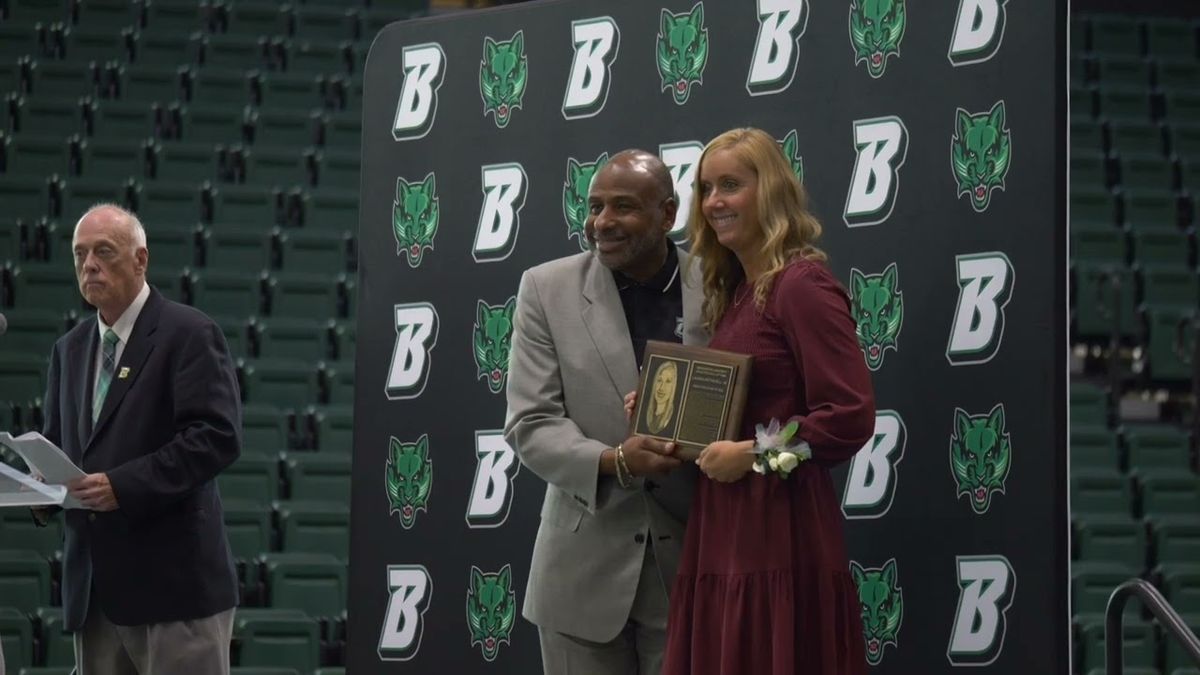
{"x":662,"y":279}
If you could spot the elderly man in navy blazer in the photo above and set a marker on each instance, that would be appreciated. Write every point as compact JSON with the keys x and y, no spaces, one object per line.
{"x":144,"y":398}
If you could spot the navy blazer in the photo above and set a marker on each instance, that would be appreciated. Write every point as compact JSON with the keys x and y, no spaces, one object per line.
{"x":170,"y":423}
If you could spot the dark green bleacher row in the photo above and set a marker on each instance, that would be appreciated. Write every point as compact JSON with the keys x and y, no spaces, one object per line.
{"x":232,"y":129}
{"x":1134,"y":177}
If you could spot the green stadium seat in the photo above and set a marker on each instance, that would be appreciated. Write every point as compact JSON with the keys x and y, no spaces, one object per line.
{"x":1094,"y":297}
{"x":24,"y":579}
{"x":45,"y":116}
{"x":1100,"y":492}
{"x":1162,"y":247}
{"x":281,"y":168}
{"x":246,"y":205}
{"x":340,"y":170}
{"x":235,"y":52}
{"x":315,"y":527}
{"x":1129,"y":104}
{"x":227,"y":292}
{"x":346,"y":94}
{"x":248,"y":526}
{"x":104,"y":14}
{"x":169,"y":281}
{"x":15,"y":243}
{"x":186,"y":162}
{"x":61,"y":670}
{"x":264,"y":671}
{"x":1136,"y":139}
{"x":326,"y":23}
{"x":1172,"y":286}
{"x":33,"y":331}
{"x":338,"y":382}
{"x":315,"y":54}
{"x":377,"y":17}
{"x":1181,"y":586}
{"x":279,"y":91}
{"x":98,"y":45}
{"x":314,"y":583}
{"x":45,"y":286}
{"x":1154,"y":208}
{"x":54,"y":242}
{"x":200,"y":123}
{"x":1169,"y":329}
{"x":282,"y":382}
{"x":1093,"y":447}
{"x":22,"y":375}
{"x":284,"y":128}
{"x":332,"y":428}
{"x":1168,"y":492}
{"x":318,"y":476}
{"x":1175,"y":660}
{"x":24,"y":196}
{"x":1123,"y":71}
{"x":119,"y":119}
{"x":342,"y":132}
{"x":1088,"y":168}
{"x":49,"y":79}
{"x":341,"y":337}
{"x":147,"y":82}
{"x":167,"y":202}
{"x":171,"y":245}
{"x":1137,"y":637}
{"x":1182,"y":105}
{"x":177,"y":17}
{"x":1170,"y":38}
{"x":300,"y":294}
{"x":1092,"y":582}
{"x":306,"y":251}
{"x":57,"y":644}
{"x":22,"y":39}
{"x":254,"y":19}
{"x":1077,"y":74}
{"x":264,"y":427}
{"x":1147,"y":172}
{"x":237,"y":247}
{"x":80,"y":194}
{"x":19,"y":533}
{"x":1157,"y":447}
{"x":276,"y":638}
{"x":254,"y":476}
{"x":16,"y":638}
{"x":123,"y":158}
{"x":327,"y":209}
{"x":1116,"y":34}
{"x":1088,"y":404}
{"x":1092,"y":205}
{"x":228,"y":87}
{"x":1179,"y":76}
{"x":299,"y":338}
{"x":1176,"y":538}
{"x":1189,"y":173}
{"x":34,"y":155}
{"x":235,"y":330}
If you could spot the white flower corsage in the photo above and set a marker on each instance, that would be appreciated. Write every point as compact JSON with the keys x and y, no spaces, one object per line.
{"x":774,"y":453}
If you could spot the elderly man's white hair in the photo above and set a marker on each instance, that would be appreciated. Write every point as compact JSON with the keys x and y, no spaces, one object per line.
{"x":137,"y":232}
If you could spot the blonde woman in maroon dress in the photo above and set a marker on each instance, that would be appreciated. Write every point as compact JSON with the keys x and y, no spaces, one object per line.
{"x":764,"y":587}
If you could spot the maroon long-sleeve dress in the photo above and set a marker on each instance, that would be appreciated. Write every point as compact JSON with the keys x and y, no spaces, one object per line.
{"x":764,"y":585}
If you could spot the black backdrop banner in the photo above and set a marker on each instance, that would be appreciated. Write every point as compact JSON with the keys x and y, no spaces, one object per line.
{"x":931,"y":139}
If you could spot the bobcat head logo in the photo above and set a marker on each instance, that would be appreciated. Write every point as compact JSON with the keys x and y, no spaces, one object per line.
{"x":878,"y":308}
{"x":503,"y":74}
{"x":790,"y":146}
{"x":876,"y":29}
{"x":575,"y":195}
{"x":493,"y":341}
{"x":491,"y":609}
{"x":415,"y":218}
{"x":980,"y":455}
{"x":981,"y":150}
{"x":682,"y":51}
{"x":409,"y":478}
{"x":882,"y":607}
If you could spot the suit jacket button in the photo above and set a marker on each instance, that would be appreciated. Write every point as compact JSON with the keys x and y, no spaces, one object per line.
{"x":92,"y":518}
{"x":639,"y":538}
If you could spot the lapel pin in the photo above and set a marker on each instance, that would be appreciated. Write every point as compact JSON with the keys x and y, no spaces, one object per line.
{"x":124,"y":373}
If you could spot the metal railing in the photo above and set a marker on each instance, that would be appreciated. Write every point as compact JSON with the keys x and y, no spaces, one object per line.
{"x":1158,"y":606}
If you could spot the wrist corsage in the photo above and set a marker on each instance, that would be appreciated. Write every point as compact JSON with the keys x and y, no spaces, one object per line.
{"x":775,"y":455}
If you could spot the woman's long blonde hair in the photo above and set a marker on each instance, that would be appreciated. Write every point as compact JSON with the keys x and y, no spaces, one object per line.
{"x":789,"y":229}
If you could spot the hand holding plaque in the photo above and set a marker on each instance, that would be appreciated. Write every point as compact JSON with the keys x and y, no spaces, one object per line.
{"x":690,"y":395}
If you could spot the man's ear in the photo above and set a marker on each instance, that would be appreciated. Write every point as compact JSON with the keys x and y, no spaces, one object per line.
{"x":670,"y":213}
{"x":142,"y":256}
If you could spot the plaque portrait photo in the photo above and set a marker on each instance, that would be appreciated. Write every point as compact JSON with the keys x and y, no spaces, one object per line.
{"x":661,"y":408}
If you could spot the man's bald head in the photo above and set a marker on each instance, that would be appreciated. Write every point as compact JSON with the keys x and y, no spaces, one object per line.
{"x":125,"y":221}
{"x":646,"y":163}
